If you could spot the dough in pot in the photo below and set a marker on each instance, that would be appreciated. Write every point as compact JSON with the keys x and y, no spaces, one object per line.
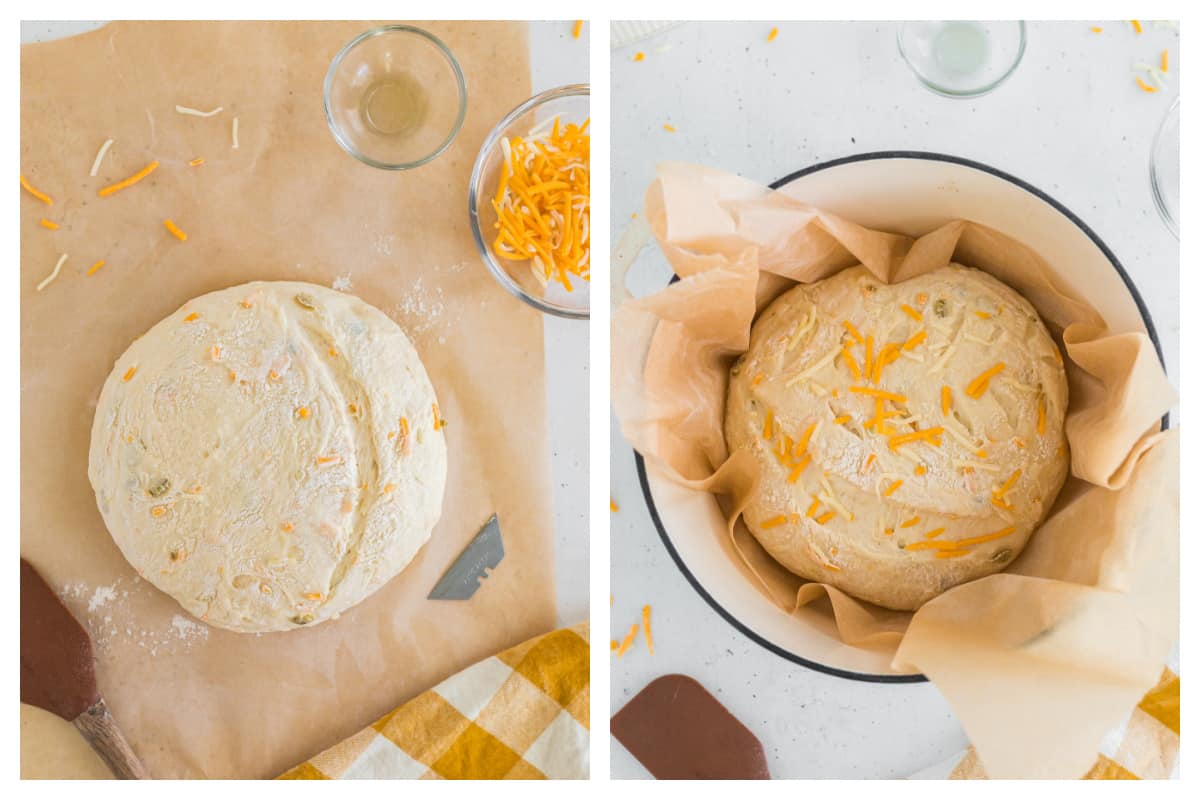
{"x":269,"y":455}
{"x":909,"y":436}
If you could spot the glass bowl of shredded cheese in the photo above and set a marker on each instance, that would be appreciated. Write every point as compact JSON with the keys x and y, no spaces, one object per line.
{"x":530,"y":201}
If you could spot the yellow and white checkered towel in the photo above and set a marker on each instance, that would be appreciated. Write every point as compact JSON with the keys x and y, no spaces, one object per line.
{"x":1144,"y":747}
{"x":520,"y":714}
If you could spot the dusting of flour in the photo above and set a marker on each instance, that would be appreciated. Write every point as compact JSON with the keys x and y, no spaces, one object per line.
{"x":111,"y":620}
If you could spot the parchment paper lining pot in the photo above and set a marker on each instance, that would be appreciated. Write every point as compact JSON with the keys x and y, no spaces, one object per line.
{"x":715,"y":229}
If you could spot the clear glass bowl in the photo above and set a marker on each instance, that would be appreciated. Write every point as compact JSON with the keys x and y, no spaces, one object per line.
{"x":395,"y":97}
{"x":962,"y":58}
{"x":1164,"y":169}
{"x":571,"y":104}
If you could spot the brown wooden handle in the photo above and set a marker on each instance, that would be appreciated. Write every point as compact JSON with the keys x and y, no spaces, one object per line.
{"x":102,"y":733}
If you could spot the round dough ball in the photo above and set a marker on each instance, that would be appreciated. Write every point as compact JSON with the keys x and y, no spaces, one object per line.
{"x":909,"y":436}
{"x":269,"y":455}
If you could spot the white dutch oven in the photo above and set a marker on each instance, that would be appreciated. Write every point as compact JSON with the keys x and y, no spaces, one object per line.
{"x":910,"y":193}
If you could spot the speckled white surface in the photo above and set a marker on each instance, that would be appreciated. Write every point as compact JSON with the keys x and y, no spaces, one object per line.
{"x":1070,"y":121}
{"x":555,"y":59}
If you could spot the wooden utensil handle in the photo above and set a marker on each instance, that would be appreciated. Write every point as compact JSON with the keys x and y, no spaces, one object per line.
{"x":102,"y":733}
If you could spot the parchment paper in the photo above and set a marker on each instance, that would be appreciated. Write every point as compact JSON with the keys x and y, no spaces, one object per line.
{"x":1038,"y":661}
{"x":287,"y":204}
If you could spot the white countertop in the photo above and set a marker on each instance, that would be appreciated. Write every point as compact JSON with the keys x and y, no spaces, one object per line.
{"x":555,"y":59}
{"x":1070,"y":121}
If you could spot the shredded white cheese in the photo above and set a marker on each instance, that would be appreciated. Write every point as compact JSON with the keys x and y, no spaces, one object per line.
{"x":195,"y":113}
{"x":804,"y":327}
{"x":940,"y":364}
{"x":959,"y":434}
{"x":979,"y":465}
{"x":833,"y":503}
{"x":49,"y":278}
{"x":819,"y":365}
{"x":100,"y":157}
{"x":235,"y":133}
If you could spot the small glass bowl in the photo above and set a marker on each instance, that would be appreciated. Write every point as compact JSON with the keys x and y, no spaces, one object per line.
{"x":1164,"y":169}
{"x":395,"y":97}
{"x":959,"y":58}
{"x":571,"y":104}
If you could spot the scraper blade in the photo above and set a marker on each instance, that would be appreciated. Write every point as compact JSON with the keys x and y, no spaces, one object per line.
{"x":484,"y":553}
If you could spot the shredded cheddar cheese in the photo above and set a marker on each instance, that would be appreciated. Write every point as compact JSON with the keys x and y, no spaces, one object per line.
{"x":798,"y":469}
{"x":287,"y":527}
{"x":174,"y":229}
{"x":612,"y":506}
{"x":328,"y":459}
{"x":49,"y":224}
{"x":94,"y":268}
{"x":895,"y":485}
{"x":828,"y":515}
{"x":773,"y":522}
{"x":881,"y":394}
{"x":1145,"y":87}
{"x":639,"y":56}
{"x":983,"y":315}
{"x":853,"y":331}
{"x":129,"y":373}
{"x":920,"y":469}
{"x":130,"y":181}
{"x":1096,"y":29}
{"x":1137,"y":25}
{"x":950,"y":553}
{"x":936,"y":532}
{"x":977,"y":387}
{"x":932,"y":436}
{"x":438,"y":422}
{"x":192,"y":317}
{"x":908,"y":523}
{"x":158,"y":511}
{"x":912,"y":312}
{"x":813,"y":508}
{"x":543,"y":203}
{"x":646,"y":629}
{"x":303,"y":412}
{"x":914,"y":340}
{"x":215,"y":352}
{"x":959,"y":544}
{"x":388,"y":488}
{"x":887,"y":354}
{"x":771,"y":36}
{"x":1163,"y":62}
{"x":668,"y":127}
{"x":577,"y":29}
{"x":851,"y":364}
{"x":195,"y":162}
{"x":40,"y":195}
{"x":841,"y":420}
{"x":945,"y":401}
{"x":1041,"y":419}
{"x":627,"y":642}
{"x":867,"y":464}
